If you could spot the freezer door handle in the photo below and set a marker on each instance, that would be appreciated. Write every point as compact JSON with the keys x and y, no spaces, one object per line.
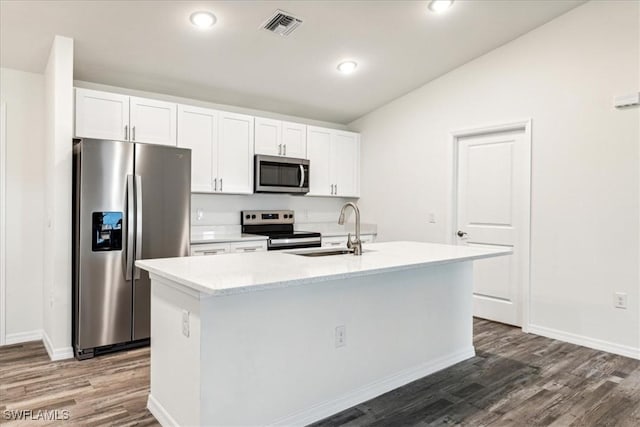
{"x":138,"y":222}
{"x":130,"y":227}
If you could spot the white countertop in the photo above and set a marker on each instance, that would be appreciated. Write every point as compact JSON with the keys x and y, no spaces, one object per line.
{"x":219,"y":275}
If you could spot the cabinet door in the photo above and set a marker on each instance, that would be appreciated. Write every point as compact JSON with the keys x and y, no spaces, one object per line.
{"x":101,"y":115}
{"x":319,"y":155}
{"x":153,"y":121}
{"x":235,"y":153}
{"x":345,"y":163}
{"x":294,"y":140}
{"x":198,"y":130}
{"x":268,"y":136}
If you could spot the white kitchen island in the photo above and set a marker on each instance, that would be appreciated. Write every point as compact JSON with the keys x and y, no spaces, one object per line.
{"x":254,"y":338}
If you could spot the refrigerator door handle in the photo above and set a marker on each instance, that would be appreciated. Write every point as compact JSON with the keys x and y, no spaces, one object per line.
{"x":138,"y":223}
{"x":130,"y":227}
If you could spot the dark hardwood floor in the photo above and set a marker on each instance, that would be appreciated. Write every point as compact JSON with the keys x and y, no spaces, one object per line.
{"x":515,"y":380}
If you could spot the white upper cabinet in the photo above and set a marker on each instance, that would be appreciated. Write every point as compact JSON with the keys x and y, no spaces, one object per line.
{"x":235,"y":153}
{"x":319,"y":154}
{"x":221,"y":149}
{"x":107,"y":115}
{"x":346,"y":163}
{"x":101,"y":115}
{"x":152,"y":121}
{"x":268,"y":137}
{"x":294,"y":140}
{"x":277,"y":138}
{"x":198,"y":130}
{"x":335,"y":162}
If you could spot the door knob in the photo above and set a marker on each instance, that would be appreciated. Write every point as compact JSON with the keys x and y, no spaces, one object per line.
{"x":461,"y":233}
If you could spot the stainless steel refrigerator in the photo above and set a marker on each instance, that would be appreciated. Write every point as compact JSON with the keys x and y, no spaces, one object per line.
{"x":130,"y":201}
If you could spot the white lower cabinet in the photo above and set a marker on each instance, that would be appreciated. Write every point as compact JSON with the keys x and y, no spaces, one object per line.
{"x":228,"y":247}
{"x":251,"y":246}
{"x":210,"y":249}
{"x":335,"y":241}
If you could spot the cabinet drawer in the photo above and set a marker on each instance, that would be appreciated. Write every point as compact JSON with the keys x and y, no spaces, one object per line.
{"x":335,"y":241}
{"x":251,"y":246}
{"x":210,"y":249}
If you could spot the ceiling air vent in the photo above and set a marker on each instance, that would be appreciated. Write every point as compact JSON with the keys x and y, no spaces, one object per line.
{"x":282,"y":23}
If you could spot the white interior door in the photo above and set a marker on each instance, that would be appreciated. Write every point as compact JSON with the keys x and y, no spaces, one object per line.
{"x":493,"y":190}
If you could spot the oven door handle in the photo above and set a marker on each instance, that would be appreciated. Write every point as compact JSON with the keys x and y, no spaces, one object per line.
{"x":302,"y":175}
{"x":286,"y":242}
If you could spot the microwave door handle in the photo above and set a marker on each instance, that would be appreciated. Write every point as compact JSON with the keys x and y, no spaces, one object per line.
{"x":138,"y":223}
{"x":130,"y":227}
{"x":302,"y":175}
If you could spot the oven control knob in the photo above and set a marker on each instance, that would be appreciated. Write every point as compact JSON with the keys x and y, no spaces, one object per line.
{"x":247,"y":216}
{"x":253,"y":217}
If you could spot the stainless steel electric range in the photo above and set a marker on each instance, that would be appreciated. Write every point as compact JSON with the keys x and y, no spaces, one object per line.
{"x":278,"y":226}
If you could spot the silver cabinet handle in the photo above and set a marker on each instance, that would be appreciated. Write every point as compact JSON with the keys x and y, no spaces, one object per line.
{"x":220,"y":184}
{"x":250,"y":249}
{"x":133,"y":133}
{"x":284,"y":152}
{"x":126,"y":132}
{"x":279,"y":149}
{"x":461,"y":233}
{"x":213,"y":252}
{"x":336,"y":190}
{"x":215,"y":184}
{"x":138,"y":223}
{"x":331,"y":189}
{"x":130,"y":228}
{"x":302,"y":176}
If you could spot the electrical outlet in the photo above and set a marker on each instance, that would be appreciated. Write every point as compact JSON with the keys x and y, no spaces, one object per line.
{"x":620,"y":300}
{"x":185,"y":323}
{"x":199,"y":214}
{"x":341,"y":336}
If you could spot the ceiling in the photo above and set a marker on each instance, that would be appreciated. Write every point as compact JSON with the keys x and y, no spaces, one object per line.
{"x":150,"y":45}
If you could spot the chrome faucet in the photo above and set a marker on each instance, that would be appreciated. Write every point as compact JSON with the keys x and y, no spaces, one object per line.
{"x":356,"y":244}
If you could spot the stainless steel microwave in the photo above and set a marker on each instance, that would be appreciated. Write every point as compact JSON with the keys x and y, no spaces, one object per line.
{"x":281,"y":175}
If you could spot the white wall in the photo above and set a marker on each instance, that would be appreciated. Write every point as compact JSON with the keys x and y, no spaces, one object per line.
{"x":23,"y":94}
{"x":585,"y":163}
{"x":58,"y":178}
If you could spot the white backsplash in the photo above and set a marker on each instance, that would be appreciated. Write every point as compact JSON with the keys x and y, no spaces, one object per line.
{"x":223,"y":209}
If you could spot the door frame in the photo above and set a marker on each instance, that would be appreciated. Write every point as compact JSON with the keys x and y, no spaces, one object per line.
{"x":516,"y":125}
{"x":3,"y":220}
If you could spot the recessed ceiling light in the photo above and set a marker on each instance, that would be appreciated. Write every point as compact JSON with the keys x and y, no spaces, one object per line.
{"x":347,"y":67}
{"x":439,"y":6}
{"x":203,"y":19}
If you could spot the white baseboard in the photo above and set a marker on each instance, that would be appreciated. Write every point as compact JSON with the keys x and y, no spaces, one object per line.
{"x":371,"y":390}
{"x":56,"y":353}
{"x":608,"y":346}
{"x":161,"y":415}
{"x":21,"y":337}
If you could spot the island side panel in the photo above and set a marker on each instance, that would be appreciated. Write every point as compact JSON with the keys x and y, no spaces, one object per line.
{"x":175,"y":358}
{"x":271,"y":356}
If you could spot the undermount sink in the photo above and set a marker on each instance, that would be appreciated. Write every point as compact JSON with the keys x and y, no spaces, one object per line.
{"x":325,"y":252}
